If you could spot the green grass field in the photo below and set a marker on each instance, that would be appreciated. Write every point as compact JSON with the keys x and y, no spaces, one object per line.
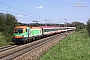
{"x":4,"y":42}
{"x":74,"y":47}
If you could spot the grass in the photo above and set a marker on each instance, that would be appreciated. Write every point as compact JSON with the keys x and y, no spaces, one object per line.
{"x":4,"y":42}
{"x":74,"y":47}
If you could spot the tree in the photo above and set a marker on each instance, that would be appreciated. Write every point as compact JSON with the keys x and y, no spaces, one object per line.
{"x":78,"y":25}
{"x":7,"y":24}
{"x":88,"y":26}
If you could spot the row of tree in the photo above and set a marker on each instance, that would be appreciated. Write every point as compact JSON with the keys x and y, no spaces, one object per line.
{"x":79,"y":25}
{"x":7,"y":24}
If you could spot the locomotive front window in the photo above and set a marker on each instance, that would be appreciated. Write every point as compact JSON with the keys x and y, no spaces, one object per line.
{"x":19,"y":30}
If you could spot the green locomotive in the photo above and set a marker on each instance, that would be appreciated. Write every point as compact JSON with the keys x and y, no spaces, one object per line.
{"x":24,"y":34}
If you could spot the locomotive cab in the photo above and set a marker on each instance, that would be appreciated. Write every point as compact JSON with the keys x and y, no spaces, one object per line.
{"x":18,"y":33}
{"x":21,"y":33}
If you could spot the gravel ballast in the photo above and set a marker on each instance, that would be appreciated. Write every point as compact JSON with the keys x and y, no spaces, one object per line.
{"x":37,"y":52}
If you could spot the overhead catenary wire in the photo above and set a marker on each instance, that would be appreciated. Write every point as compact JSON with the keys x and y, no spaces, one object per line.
{"x":34,"y":16}
{"x":19,"y":14}
{"x":10,"y":12}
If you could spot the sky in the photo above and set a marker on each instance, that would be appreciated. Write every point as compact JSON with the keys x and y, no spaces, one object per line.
{"x":51,"y":11}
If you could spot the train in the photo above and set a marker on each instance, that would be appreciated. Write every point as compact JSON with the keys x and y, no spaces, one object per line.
{"x":25,"y":34}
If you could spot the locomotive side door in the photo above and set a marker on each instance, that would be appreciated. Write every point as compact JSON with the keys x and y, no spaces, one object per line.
{"x":28,"y":32}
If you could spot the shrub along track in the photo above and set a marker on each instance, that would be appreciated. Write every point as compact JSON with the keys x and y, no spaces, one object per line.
{"x":33,"y":50}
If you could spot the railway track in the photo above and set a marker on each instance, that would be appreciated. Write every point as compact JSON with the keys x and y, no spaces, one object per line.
{"x":15,"y":52}
{"x":7,"y":47}
{"x":4,"y":47}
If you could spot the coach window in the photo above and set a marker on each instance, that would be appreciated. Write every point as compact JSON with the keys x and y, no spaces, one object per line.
{"x":45,"y":30}
{"x":48,"y":30}
{"x":60,"y":29}
{"x":53,"y":29}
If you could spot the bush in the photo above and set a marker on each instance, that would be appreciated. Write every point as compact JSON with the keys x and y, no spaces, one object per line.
{"x":7,"y":24}
{"x":88,"y":27}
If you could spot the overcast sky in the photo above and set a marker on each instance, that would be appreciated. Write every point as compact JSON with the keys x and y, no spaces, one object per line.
{"x":54,"y":11}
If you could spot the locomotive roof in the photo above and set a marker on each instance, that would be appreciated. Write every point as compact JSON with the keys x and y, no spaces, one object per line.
{"x":21,"y":27}
{"x":51,"y":27}
{"x":48,"y":26}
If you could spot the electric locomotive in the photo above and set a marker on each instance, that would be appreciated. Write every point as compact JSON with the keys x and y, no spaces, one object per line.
{"x":24,"y":34}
